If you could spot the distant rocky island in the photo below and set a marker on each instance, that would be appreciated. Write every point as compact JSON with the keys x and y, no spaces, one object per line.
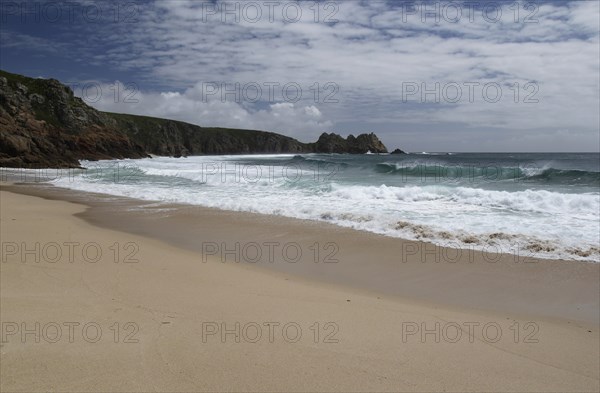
{"x":42,"y":124}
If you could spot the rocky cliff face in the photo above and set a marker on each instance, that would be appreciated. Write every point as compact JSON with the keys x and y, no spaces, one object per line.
{"x":42,"y":124}
{"x":173,"y":138}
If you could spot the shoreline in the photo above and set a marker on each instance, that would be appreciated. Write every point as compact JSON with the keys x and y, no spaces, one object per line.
{"x":405,"y":269}
{"x":188,"y":324}
{"x":493,"y":233}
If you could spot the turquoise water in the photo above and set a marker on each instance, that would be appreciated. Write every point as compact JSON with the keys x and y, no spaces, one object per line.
{"x":544,"y":204}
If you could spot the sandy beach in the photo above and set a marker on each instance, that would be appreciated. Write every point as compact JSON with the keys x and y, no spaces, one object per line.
{"x":104,"y":309}
{"x":299,"y":196}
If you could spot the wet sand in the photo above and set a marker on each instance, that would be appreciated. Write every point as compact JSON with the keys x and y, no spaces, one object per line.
{"x":501,"y":282}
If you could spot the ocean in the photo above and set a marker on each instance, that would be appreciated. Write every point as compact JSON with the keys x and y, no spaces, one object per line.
{"x":543,"y":205}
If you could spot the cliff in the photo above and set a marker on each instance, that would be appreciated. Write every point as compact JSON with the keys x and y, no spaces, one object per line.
{"x":42,"y":124}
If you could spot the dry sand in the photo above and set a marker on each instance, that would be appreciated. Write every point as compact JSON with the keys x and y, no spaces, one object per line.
{"x":161,"y":315}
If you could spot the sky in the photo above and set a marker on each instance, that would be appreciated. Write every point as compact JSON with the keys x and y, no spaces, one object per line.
{"x":454,"y":76}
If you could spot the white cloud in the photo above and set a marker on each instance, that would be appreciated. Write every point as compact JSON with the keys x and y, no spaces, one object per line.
{"x":370,"y":54}
{"x":280,"y":117}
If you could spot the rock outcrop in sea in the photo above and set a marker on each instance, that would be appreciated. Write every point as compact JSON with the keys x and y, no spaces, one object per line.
{"x":43,"y":124}
{"x":333,"y":143}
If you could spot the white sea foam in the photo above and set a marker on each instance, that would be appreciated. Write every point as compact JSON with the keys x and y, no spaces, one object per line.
{"x":546,"y":223}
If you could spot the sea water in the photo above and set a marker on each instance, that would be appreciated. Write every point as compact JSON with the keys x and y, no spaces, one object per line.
{"x":542,"y":204}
